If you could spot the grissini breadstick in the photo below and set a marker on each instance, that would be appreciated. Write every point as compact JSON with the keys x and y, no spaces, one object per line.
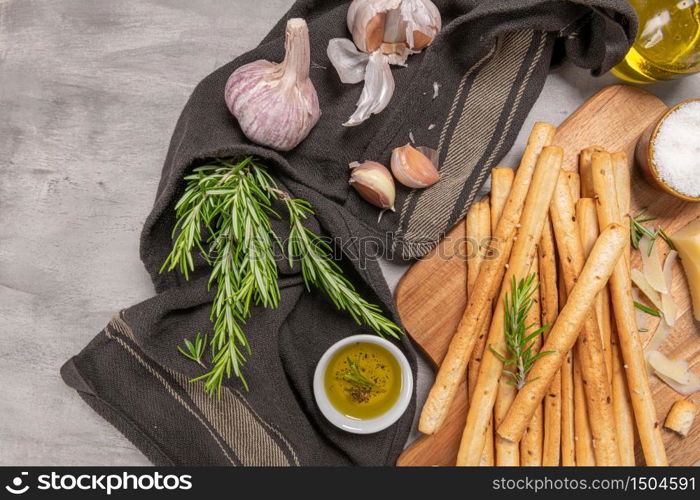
{"x":524,"y":248}
{"x":568,"y":434}
{"x":549,"y":301}
{"x":531,"y":443}
{"x":573,"y":180}
{"x":507,"y":452}
{"x":623,"y":188}
{"x":501,"y":183}
{"x":585,"y":456}
{"x":603,"y":301}
{"x":623,"y":306}
{"x":478,"y":230}
{"x":584,"y":170}
{"x":453,"y":367}
{"x":589,"y":351}
{"x":587,"y":222}
{"x":624,"y":416}
{"x":564,"y":333}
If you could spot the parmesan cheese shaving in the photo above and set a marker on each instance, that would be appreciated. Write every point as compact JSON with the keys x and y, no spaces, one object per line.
{"x":686,"y":389}
{"x":641,"y":282}
{"x":651,"y":265}
{"x":669,"y":307}
{"x":640,"y":316}
{"x":660,"y":336}
{"x":675,"y":370}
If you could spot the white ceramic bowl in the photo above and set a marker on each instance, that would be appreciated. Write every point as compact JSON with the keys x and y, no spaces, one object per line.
{"x":357,"y":426}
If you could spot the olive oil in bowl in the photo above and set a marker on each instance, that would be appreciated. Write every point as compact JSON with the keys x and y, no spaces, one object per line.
{"x":363,"y":380}
{"x":667,"y":42}
{"x":363,"y":384}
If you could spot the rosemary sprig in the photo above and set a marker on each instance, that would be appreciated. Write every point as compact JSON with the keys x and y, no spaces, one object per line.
{"x":639,"y":230}
{"x":649,"y":310}
{"x":195,"y":350}
{"x":319,"y":270}
{"x":520,"y":339}
{"x":355,"y":376}
{"x":224,"y":214}
{"x":361,"y":388}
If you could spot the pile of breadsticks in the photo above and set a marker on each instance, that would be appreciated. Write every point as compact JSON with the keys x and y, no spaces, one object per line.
{"x":581,"y":400}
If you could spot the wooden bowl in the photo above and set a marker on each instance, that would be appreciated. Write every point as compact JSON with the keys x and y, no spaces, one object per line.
{"x":644,"y":155}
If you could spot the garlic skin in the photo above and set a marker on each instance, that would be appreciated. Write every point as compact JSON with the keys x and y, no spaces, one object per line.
{"x":423,"y":22}
{"x":377,"y":92}
{"x":349,"y":62}
{"x":413,"y":168}
{"x":373,"y":182}
{"x":276,"y":104}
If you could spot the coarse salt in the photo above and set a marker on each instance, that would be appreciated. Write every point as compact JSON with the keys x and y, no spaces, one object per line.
{"x":676,"y":150}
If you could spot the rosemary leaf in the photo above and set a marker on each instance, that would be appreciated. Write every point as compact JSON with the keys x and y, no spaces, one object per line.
{"x":519,"y":337}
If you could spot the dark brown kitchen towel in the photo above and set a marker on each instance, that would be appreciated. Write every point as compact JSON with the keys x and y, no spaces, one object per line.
{"x":489,"y":63}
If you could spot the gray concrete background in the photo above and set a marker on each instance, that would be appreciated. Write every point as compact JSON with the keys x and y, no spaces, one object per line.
{"x":89,"y":94}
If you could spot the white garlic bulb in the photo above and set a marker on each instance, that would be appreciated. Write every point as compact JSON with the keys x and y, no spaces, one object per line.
{"x":276,"y":104}
{"x":389,"y":31}
{"x":374,"y":22}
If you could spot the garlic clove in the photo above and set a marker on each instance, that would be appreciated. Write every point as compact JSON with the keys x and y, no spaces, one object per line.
{"x":377,"y":92}
{"x":423,"y":22}
{"x":349,"y":62}
{"x":412,"y":168}
{"x":373,"y":182}
{"x":276,"y":105}
{"x":367,"y":20}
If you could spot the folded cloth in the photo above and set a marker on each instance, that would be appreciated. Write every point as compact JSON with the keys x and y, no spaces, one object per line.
{"x":489,"y":64}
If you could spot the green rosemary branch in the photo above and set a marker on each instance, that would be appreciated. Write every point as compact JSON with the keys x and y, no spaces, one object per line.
{"x":520,"y":339}
{"x":319,"y":270}
{"x":224,"y":214}
{"x":195,"y":350}
{"x":639,"y":230}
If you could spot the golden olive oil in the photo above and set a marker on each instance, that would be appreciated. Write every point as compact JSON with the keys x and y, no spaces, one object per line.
{"x":667,"y":41}
{"x":363,"y":380}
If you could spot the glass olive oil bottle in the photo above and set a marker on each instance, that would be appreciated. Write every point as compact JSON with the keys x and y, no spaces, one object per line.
{"x":667,"y":44}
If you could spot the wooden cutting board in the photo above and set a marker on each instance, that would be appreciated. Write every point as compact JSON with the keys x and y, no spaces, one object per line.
{"x":431,"y":296}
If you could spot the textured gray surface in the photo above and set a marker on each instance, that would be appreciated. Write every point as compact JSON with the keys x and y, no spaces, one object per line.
{"x":89,"y":93}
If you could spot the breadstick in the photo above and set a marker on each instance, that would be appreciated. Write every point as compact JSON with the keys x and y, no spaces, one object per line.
{"x":585,"y":456}
{"x":507,"y":452}
{"x":629,"y":343}
{"x":564,"y":333}
{"x":623,"y":188}
{"x":587,"y":221}
{"x":584,"y":169}
{"x":454,"y":365}
{"x":478,"y":229}
{"x":624,"y":416}
{"x":549,"y":310}
{"x":568,"y":433}
{"x":573,"y":180}
{"x":531,"y":443}
{"x":501,"y":184}
{"x":524,"y":248}
{"x":589,"y":351}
